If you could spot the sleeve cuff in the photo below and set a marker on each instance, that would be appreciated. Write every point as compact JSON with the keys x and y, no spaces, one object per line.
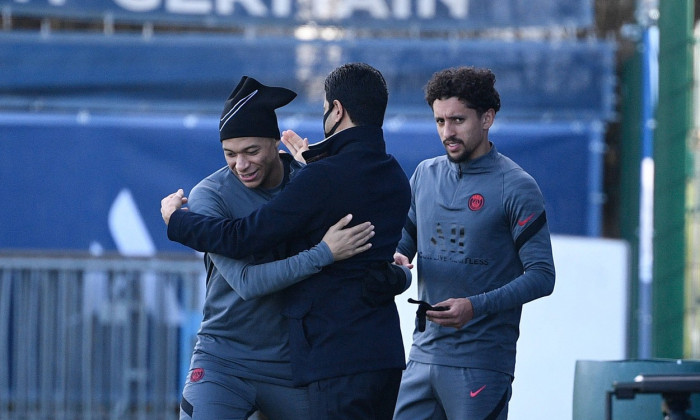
{"x":324,"y":253}
{"x":478,"y":304}
{"x":409,"y":277}
{"x":174,"y":224}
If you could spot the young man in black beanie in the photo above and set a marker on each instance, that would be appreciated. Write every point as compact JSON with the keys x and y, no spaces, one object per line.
{"x":345,"y":337}
{"x":240,"y":362}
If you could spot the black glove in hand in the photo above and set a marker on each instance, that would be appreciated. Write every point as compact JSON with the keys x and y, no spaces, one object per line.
{"x":423,"y":307}
{"x":382,"y":282}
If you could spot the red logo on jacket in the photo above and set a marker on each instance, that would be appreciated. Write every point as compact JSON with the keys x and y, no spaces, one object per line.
{"x":476,"y":202}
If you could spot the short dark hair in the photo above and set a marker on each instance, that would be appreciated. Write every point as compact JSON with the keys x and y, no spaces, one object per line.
{"x":361,"y":89}
{"x":472,"y":85}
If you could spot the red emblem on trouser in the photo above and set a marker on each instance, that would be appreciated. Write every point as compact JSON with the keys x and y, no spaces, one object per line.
{"x":196,"y":374}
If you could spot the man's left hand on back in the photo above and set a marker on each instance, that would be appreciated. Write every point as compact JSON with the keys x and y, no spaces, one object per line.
{"x":172,"y":202}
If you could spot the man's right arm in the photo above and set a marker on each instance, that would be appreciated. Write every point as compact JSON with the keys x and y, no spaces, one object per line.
{"x":251,"y":281}
{"x":293,"y":211}
{"x":408,"y":244}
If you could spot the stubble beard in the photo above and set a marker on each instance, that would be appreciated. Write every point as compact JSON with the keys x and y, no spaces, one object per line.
{"x":463,"y":156}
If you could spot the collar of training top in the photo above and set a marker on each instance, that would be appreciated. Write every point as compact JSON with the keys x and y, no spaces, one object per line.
{"x":364,"y":137}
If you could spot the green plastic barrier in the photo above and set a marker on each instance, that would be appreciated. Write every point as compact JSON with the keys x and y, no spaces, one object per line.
{"x":593,"y":379}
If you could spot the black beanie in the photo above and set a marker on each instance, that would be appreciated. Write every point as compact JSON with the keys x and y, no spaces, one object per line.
{"x":250,"y":110}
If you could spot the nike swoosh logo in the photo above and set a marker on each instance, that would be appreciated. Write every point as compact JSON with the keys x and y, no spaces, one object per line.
{"x":477,"y":392}
{"x":524,"y":221}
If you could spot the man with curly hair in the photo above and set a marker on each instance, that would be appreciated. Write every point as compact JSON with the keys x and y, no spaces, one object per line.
{"x":478,"y":227}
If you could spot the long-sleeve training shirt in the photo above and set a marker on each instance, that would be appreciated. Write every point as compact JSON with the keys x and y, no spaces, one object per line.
{"x":480,"y":232}
{"x":243,"y":332}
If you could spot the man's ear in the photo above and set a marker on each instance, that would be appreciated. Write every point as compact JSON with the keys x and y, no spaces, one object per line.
{"x":338,"y":110}
{"x":487,"y":119}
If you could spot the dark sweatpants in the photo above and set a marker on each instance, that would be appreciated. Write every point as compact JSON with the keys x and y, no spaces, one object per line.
{"x":363,"y":396}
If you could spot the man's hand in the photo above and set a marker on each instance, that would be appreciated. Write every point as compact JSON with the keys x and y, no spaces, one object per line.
{"x":460,"y":312}
{"x":295,"y":144}
{"x":345,"y":243}
{"x":173,"y":202}
{"x":400,"y":259}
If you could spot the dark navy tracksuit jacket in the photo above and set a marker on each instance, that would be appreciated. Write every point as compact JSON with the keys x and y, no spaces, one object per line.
{"x":334,"y":330}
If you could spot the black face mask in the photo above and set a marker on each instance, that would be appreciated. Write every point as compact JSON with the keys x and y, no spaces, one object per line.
{"x":325,"y":117}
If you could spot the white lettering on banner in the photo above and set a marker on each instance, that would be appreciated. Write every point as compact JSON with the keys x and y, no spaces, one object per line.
{"x":459,"y":9}
{"x":51,"y":2}
{"x":281,"y":8}
{"x":306,"y":9}
{"x":320,"y":9}
{"x":402,"y":9}
{"x":253,"y":7}
{"x":379,"y":9}
{"x":195,"y":7}
{"x":138,"y":5}
{"x":376,"y":9}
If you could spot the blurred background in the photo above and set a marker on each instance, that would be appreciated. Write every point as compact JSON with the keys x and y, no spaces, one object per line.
{"x":106,"y":106}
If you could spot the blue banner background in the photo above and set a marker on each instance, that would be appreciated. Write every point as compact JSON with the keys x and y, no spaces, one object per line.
{"x":60,"y":174}
{"x":195,"y":73}
{"x":456,"y":14}
{"x":85,"y":117}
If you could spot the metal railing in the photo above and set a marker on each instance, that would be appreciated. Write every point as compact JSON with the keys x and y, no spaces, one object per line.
{"x":96,"y":338}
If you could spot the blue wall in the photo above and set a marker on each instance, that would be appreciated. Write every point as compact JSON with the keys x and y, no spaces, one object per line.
{"x":60,"y":174}
{"x":195,"y":73}
{"x":86,"y":118}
